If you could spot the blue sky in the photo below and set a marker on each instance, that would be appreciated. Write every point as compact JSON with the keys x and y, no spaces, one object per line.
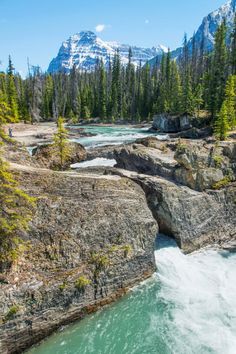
{"x":36,"y":28}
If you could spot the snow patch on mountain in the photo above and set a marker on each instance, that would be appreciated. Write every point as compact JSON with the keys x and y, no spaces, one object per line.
{"x":85,"y":48}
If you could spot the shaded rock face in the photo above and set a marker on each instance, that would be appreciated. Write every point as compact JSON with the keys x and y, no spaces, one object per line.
{"x":194,"y":133}
{"x":102,"y":151}
{"x":193,"y":218}
{"x":167,"y":124}
{"x":92,"y":237}
{"x":48,"y":157}
{"x":189,"y":126}
{"x":146,"y":160}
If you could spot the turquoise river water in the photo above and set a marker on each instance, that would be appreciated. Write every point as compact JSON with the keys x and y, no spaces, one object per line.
{"x":187,"y":307}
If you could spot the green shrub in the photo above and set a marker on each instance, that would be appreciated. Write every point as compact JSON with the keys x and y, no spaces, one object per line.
{"x":218,"y":160}
{"x":11,"y":312}
{"x":222,"y":183}
{"x":181,"y":147}
{"x":82,"y":282}
{"x":101,"y":261}
{"x":63,"y":286}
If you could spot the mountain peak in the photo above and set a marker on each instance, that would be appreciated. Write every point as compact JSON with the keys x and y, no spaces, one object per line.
{"x":84,"y":48}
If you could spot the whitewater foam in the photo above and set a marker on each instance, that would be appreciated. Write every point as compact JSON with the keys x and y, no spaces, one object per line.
{"x":188,"y":307}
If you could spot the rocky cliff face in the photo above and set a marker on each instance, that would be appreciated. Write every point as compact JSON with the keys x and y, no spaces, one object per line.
{"x":91,"y":238}
{"x":190,"y":187}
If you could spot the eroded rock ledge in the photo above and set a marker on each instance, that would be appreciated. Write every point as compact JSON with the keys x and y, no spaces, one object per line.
{"x":92,"y":238}
{"x":190,"y":187}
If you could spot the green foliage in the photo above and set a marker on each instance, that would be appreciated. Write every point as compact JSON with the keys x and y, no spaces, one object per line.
{"x":15,"y":214}
{"x":100,"y":260}
{"x":82,"y":282}
{"x":11,"y":91}
{"x":233,"y":49}
{"x":61,"y":143}
{"x":102,"y":93}
{"x":223,"y":183}
{"x":5,"y":115}
{"x":181,"y":147}
{"x":218,"y":160}
{"x":230,"y":100}
{"x":13,"y":310}
{"x":218,"y":70}
{"x":221,"y":127}
{"x":63,"y":286}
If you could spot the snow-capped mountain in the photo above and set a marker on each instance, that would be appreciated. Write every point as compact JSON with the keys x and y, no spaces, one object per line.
{"x":85,"y":48}
{"x":206,"y":32}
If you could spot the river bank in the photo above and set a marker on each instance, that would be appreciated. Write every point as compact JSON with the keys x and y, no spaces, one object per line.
{"x":39,"y":133}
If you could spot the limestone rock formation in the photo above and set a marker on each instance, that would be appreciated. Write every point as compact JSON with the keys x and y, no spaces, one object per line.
{"x":190,"y":188}
{"x":91,"y":238}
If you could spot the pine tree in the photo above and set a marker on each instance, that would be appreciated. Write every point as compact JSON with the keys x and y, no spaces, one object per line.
{"x":102,"y":93}
{"x":218,"y":70}
{"x":175,"y":93}
{"x":5,"y":115}
{"x":161,"y":105}
{"x":61,"y":143}
{"x":198,"y":99}
{"x":221,"y":127}
{"x":47,"y":97}
{"x":11,"y":91}
{"x":187,"y":84}
{"x":233,"y":49}
{"x":116,"y":87}
{"x":230,"y":100}
{"x":146,"y":92}
{"x":15,"y":213}
{"x":187,"y":94}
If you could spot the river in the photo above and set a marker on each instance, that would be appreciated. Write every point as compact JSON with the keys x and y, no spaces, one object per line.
{"x":187,"y":307}
{"x":111,"y":135}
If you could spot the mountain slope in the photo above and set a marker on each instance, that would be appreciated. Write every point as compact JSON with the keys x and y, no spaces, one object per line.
{"x":84,"y":48}
{"x":206,"y":31}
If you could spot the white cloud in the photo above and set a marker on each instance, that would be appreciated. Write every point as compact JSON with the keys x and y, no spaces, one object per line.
{"x":100,"y":28}
{"x":146,"y":21}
